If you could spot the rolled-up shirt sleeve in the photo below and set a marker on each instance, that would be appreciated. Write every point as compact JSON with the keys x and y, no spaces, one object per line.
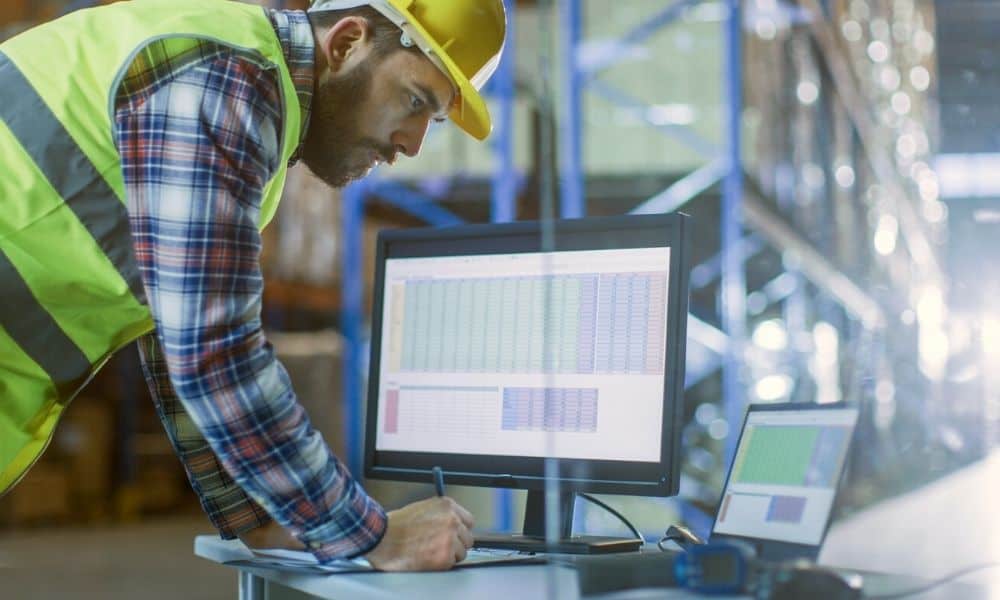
{"x":196,"y":156}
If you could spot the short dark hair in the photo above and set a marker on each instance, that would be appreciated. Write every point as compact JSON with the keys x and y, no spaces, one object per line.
{"x":385,"y":36}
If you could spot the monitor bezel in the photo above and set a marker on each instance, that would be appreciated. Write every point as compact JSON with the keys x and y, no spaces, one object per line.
{"x":777,"y":550}
{"x":660,"y":478}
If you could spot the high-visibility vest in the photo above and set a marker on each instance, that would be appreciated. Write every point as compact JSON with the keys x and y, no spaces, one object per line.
{"x":70,"y":291}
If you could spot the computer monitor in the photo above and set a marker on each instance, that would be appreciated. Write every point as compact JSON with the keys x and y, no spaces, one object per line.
{"x":472,"y":372}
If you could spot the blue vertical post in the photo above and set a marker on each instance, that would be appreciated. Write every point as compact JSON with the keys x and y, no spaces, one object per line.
{"x":571,"y":201}
{"x":505,"y":182}
{"x":733,"y":279}
{"x":503,"y":198}
{"x":352,"y":298}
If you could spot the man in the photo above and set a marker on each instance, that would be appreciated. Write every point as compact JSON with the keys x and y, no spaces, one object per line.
{"x":144,"y":146}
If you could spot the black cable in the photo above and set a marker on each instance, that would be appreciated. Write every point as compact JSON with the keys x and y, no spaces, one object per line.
{"x":933,"y":584}
{"x":635,"y":531}
{"x":663,"y":540}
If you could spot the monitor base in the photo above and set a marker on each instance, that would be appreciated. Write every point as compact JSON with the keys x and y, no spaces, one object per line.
{"x":582,"y":544}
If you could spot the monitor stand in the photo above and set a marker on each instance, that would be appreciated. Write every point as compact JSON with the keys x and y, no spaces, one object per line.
{"x":533,"y":537}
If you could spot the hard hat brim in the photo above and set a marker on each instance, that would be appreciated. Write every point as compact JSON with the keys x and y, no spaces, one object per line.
{"x":470,"y":111}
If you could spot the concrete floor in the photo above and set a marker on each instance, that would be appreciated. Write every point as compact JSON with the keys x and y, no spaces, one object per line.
{"x":153,"y":560}
{"x":930,"y":532}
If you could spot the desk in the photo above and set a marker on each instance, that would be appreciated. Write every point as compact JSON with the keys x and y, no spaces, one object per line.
{"x":507,"y":582}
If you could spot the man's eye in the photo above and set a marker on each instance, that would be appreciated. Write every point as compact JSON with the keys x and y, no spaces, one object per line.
{"x":416,"y":102}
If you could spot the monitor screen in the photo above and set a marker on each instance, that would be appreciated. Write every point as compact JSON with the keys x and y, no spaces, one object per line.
{"x":490,"y":355}
{"x":474,"y":361}
{"x":785,"y":474}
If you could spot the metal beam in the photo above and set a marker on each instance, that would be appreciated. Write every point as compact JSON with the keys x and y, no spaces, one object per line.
{"x":706,"y":346}
{"x":711,"y":269}
{"x":639,"y":33}
{"x":781,"y":287}
{"x":503,"y":195}
{"x":412,"y":202}
{"x":658,"y":21}
{"x":812,"y":263}
{"x":572,"y":203}
{"x":684,"y":189}
{"x":681,"y":133}
{"x":351,"y":318}
{"x":733,"y":289}
{"x":503,"y":199}
{"x":707,"y":335}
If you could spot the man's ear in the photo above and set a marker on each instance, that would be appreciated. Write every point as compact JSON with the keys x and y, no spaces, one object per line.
{"x":343,"y":41}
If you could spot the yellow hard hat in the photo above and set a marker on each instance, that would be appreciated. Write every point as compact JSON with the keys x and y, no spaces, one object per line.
{"x":463,"y":38}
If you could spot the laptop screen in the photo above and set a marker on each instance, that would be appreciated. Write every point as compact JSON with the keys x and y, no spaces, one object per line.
{"x":782,"y":483}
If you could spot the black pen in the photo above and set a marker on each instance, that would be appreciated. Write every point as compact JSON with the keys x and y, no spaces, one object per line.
{"x":438,"y":480}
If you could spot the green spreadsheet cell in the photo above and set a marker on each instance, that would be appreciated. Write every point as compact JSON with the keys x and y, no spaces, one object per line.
{"x":776,"y":455}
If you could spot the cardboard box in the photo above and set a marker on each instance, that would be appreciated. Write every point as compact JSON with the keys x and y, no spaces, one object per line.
{"x":41,"y":498}
{"x":84,"y":440}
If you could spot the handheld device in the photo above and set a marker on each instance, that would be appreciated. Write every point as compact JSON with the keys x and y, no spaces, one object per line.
{"x":732,"y":568}
{"x":720,"y":568}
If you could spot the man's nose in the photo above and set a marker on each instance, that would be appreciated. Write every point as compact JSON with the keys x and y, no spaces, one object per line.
{"x":409,"y":138}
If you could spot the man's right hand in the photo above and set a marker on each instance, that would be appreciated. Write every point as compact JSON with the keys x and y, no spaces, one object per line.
{"x":430,"y":535}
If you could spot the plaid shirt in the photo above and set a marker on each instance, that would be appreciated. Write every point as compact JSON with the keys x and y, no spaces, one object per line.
{"x":199,"y":139}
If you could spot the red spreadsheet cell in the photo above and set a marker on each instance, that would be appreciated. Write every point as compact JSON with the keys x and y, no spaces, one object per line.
{"x":391,"y":411}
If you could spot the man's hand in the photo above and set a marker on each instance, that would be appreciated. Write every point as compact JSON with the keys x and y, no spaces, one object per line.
{"x":271,"y":535}
{"x":430,"y":535}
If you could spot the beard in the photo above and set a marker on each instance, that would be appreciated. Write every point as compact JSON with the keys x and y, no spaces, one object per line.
{"x":335,"y":149}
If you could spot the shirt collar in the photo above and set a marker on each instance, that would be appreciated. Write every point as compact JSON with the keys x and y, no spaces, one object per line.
{"x":295,"y":34}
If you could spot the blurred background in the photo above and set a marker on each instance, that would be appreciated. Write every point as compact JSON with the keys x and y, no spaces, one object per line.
{"x":841,"y":162}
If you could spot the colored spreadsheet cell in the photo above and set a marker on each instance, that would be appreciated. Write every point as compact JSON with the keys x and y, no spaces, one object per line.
{"x":443,"y":410}
{"x":392,"y":411}
{"x":574,"y":324}
{"x":550,"y":409}
{"x":828,"y":456}
{"x":725,"y":507}
{"x":799,"y":455}
{"x":786,"y":509}
{"x":630,"y":324}
{"x":776,"y":455}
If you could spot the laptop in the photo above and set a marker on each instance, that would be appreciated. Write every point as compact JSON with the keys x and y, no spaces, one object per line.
{"x":782,"y":484}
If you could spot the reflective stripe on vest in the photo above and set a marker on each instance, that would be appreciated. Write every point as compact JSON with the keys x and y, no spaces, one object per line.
{"x":91,"y":199}
{"x":69,"y":170}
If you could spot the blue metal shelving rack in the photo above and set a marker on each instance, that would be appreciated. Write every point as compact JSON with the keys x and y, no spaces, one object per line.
{"x":505,"y":186}
{"x":723,"y":164}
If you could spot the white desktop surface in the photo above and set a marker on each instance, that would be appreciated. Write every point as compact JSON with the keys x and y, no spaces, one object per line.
{"x":507,"y":582}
